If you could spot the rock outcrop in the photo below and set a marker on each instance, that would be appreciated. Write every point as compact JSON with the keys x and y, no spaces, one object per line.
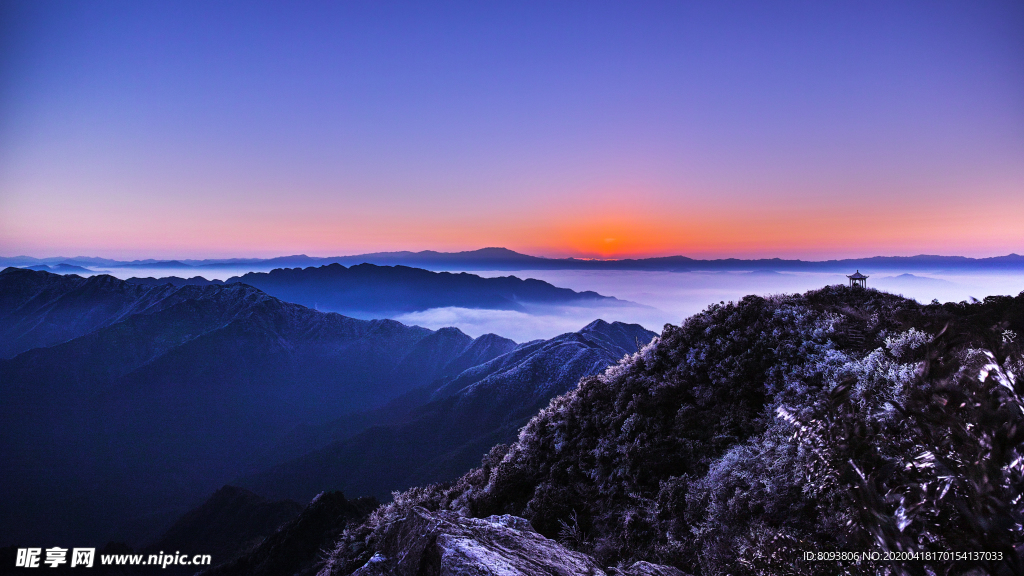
{"x":647,"y":569}
{"x":445,"y":544}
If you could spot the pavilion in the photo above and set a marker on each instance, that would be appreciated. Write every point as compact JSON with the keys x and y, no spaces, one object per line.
{"x":858,"y":280}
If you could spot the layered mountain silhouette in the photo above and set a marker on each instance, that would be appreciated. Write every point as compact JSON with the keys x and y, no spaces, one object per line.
{"x":134,"y":398}
{"x":505,"y":259}
{"x":367,"y":289}
{"x":466,"y":414}
{"x":126,"y":403}
{"x":62,"y":268}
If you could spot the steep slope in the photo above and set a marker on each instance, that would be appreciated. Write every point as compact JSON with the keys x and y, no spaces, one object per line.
{"x":230,"y":522}
{"x":482,"y":406}
{"x":382,"y":291}
{"x":760,"y":431}
{"x":308,"y":438}
{"x":176,"y":391}
{"x":298,"y":546}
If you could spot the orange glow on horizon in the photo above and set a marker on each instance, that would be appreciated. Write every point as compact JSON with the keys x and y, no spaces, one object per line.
{"x":808,"y":234}
{"x":606,"y":232}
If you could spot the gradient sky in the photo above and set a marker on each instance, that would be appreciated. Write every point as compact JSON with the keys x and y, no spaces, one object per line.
{"x":795,"y":129}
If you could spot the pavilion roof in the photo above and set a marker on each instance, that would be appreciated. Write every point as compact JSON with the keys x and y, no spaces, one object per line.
{"x":856,"y":276}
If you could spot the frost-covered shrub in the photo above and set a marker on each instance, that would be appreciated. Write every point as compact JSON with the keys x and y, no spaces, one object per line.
{"x":910,"y":340}
{"x":946,"y":475}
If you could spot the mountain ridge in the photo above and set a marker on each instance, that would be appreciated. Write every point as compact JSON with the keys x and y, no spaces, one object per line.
{"x":163,"y":377}
{"x":505,"y":259}
{"x":162,"y":392}
{"x":466,"y":414}
{"x":369,"y":290}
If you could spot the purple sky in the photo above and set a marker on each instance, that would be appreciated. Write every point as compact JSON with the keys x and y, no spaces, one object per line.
{"x":799,"y":129}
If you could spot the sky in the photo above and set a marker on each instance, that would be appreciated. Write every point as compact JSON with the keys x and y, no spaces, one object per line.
{"x":597,"y":129}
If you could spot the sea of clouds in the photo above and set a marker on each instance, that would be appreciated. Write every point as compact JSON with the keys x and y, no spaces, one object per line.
{"x":656,"y":298}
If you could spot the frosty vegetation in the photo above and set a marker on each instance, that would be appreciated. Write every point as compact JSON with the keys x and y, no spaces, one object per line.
{"x":840,"y":419}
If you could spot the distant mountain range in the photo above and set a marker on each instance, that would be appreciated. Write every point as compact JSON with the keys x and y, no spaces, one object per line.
{"x":62,"y":268}
{"x":124,"y":403}
{"x":504,"y":259}
{"x":384,"y":291}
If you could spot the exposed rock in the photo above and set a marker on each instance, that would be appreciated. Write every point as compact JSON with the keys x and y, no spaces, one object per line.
{"x":647,"y":569}
{"x":446,"y":544}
